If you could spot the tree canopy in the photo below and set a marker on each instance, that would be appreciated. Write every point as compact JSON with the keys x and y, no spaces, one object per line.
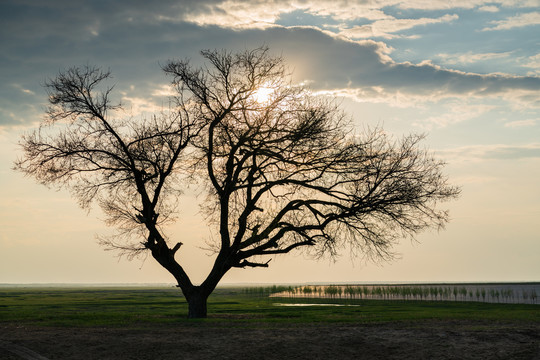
{"x":281,"y":169}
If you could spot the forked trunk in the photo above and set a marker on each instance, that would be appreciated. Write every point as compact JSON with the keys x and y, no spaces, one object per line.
{"x":197,"y":305}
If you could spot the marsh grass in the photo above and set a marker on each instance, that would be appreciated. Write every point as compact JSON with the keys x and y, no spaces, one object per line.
{"x":135,"y":307}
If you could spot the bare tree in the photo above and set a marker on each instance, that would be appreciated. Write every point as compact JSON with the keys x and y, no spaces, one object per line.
{"x":281,"y":169}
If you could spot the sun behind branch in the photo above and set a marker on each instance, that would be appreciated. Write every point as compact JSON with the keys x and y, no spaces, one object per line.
{"x":263,"y":94}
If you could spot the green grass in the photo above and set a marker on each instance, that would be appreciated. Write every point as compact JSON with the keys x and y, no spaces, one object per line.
{"x":121,"y":307}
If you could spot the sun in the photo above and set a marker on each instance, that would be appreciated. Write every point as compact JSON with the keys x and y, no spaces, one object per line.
{"x":263,"y":94}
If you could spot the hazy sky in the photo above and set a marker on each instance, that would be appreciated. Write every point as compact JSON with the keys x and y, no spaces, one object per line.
{"x":465,"y":72}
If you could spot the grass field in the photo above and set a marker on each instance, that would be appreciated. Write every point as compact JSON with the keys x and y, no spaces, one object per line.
{"x":131,"y":306}
{"x":150,"y":323}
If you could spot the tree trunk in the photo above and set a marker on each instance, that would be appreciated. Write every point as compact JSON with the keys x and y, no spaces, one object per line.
{"x":197,"y":305}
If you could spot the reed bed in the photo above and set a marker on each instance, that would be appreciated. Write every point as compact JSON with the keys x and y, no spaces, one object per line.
{"x":489,"y":293}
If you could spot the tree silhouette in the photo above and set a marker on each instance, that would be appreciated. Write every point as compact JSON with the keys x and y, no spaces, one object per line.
{"x":281,"y":169}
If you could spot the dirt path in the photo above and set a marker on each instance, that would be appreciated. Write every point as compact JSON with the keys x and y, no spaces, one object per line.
{"x":232,"y":340}
{"x":10,"y":351}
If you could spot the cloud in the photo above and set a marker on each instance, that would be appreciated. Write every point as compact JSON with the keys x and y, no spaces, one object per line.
{"x":23,"y":90}
{"x":519,"y":100}
{"x":470,"y":57}
{"x":346,"y":10}
{"x":475,"y":153}
{"x":134,"y":40}
{"x":18,"y":104}
{"x":364,"y":69}
{"x":488,"y":8}
{"x":462,"y":4}
{"x":260,"y":14}
{"x":238,"y":14}
{"x":533,"y":62}
{"x":140,"y":106}
{"x":521,"y":123}
{"x":164,"y":90}
{"x":25,"y":114}
{"x":385,"y":28}
{"x":521,"y":20}
{"x":454,"y":112}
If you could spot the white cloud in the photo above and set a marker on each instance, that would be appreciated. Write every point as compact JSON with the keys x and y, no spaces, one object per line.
{"x":521,"y":123}
{"x":345,"y":10}
{"x":533,"y":62}
{"x":455,"y":112}
{"x":488,"y":8}
{"x":476,"y":153}
{"x":384,"y":28}
{"x":520,"y":99}
{"x":165,"y":90}
{"x":140,"y":106}
{"x":470,"y":57}
{"x":262,"y":14}
{"x":520,"y":20}
{"x":239,"y":14}
{"x":377,"y":95}
{"x":398,"y":99}
{"x":463,"y":4}
{"x":23,"y":90}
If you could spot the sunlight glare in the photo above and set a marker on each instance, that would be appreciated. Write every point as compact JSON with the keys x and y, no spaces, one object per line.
{"x":263,"y":94}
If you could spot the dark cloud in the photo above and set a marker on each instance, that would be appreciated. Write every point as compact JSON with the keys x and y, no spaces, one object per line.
{"x":336,"y":63}
{"x":132,"y":38}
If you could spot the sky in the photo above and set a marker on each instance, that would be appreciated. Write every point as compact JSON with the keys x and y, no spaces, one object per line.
{"x":464,"y":72}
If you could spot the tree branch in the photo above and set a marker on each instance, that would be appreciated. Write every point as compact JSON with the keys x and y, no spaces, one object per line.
{"x":245,"y":263}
